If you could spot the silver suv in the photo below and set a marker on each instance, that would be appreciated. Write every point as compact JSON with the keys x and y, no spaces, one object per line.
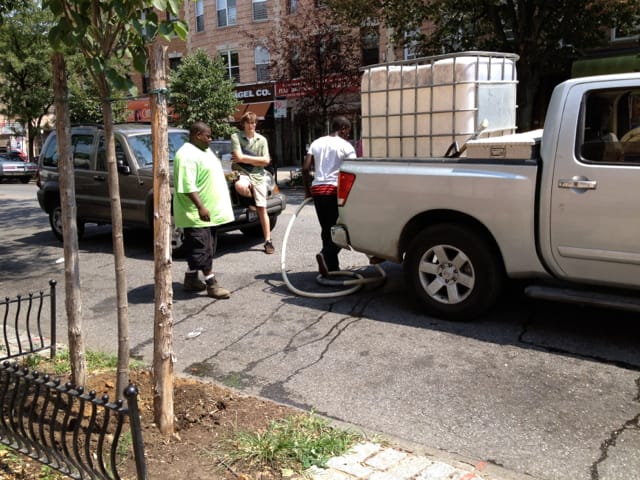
{"x":135,"y":167}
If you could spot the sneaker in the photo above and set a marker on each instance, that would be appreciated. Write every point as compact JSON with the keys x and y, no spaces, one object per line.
{"x":192,"y":283}
{"x":269,"y":248}
{"x":216,"y":291}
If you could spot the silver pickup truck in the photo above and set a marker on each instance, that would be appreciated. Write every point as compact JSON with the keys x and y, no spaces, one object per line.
{"x":557,"y":207}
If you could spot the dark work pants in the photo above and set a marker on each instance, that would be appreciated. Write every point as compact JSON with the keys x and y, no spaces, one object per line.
{"x":327,"y":211}
{"x":200,"y":246}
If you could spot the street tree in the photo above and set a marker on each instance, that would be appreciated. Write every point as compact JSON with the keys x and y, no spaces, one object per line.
{"x":546,"y":35}
{"x":84,"y":99}
{"x":200,"y":90}
{"x":318,"y":57}
{"x":105,"y":31}
{"x":26,"y":94}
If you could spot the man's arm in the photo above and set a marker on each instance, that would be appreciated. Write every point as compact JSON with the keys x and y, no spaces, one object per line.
{"x":306,"y":174}
{"x":237,"y":155}
{"x":203,"y":212}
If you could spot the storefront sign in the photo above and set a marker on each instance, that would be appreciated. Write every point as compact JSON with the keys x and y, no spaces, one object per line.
{"x":254,"y":93}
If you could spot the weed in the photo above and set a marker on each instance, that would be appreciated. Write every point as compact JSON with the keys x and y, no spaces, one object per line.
{"x":294,"y":443}
{"x":61,"y":363}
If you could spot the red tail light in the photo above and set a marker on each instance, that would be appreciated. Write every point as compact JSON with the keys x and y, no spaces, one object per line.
{"x":345,"y":182}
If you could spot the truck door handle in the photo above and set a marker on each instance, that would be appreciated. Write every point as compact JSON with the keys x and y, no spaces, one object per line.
{"x":102,"y":178}
{"x":579,"y":183}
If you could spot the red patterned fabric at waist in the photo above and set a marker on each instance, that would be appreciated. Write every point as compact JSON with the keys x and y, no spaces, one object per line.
{"x":324,"y":189}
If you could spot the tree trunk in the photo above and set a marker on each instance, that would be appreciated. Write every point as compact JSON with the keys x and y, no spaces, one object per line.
{"x":117,"y":239}
{"x":163,"y":356}
{"x":73,"y":301}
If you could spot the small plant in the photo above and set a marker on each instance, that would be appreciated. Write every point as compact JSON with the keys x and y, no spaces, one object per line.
{"x":294,"y":443}
{"x":61,"y":364}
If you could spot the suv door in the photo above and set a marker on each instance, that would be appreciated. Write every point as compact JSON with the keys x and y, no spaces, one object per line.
{"x":82,"y":144}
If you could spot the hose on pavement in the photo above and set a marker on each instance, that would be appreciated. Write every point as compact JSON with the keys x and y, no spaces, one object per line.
{"x":354,"y":282}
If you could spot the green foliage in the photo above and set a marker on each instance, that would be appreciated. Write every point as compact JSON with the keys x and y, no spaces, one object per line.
{"x":547,"y":36}
{"x":61,"y":363}
{"x":296,"y":442}
{"x":84,"y":98}
{"x":25,"y":66}
{"x":201,"y":91}
{"x":108,"y":31}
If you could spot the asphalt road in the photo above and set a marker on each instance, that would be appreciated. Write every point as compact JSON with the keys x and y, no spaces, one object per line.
{"x":545,"y":391}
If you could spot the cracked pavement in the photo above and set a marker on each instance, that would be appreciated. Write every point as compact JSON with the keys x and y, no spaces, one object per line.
{"x":536,"y":390}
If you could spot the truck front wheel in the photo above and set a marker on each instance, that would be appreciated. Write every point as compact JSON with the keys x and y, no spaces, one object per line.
{"x":453,"y":271}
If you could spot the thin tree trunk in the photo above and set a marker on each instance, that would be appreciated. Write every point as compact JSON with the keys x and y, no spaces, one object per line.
{"x":117,"y":240}
{"x":73,"y":301}
{"x":163,"y":356}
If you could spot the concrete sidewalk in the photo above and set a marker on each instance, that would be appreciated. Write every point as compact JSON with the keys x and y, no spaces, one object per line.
{"x":372,"y":461}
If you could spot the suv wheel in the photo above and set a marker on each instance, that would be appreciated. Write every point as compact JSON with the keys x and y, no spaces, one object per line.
{"x":55,"y":220}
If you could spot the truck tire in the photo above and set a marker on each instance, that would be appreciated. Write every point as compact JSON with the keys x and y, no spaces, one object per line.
{"x":453,"y":272}
{"x":55,"y":220}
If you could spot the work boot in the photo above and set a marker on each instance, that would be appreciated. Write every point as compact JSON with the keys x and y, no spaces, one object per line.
{"x":216,"y":291}
{"x":192,"y":283}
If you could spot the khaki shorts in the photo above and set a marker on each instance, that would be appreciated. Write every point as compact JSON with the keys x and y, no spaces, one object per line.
{"x":259,"y":190}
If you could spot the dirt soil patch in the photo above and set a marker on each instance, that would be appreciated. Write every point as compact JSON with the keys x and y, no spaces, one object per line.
{"x":208,"y":418}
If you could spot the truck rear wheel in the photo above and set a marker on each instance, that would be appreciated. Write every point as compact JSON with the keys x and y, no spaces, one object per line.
{"x":453,"y":271}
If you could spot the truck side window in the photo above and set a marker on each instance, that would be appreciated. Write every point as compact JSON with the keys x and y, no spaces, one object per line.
{"x":82,"y":146}
{"x":50,"y":155}
{"x":101,"y":161}
{"x":601,"y":144}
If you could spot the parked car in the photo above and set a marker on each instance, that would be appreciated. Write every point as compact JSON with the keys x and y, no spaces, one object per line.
{"x":135,"y":166}
{"x":12,"y":168}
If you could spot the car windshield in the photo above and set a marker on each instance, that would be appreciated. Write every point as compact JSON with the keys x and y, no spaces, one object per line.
{"x":142,"y":147}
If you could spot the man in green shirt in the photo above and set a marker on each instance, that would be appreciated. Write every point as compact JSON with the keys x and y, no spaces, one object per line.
{"x":200,"y":203}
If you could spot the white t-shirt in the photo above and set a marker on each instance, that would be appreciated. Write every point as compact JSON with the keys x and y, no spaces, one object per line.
{"x":328,"y":154}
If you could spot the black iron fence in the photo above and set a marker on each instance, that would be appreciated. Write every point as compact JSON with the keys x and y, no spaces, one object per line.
{"x":24,"y":320}
{"x":74,"y":432}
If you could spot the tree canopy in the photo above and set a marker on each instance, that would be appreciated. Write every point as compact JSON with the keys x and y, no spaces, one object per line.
{"x":547,"y":35}
{"x":200,"y":90}
{"x":25,"y":69}
{"x":318,"y":55}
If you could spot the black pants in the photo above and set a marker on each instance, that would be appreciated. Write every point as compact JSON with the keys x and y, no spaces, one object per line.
{"x":327,"y":211}
{"x":200,"y":246}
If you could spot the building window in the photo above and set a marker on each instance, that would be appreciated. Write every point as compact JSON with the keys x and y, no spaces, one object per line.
{"x":369,"y":41}
{"x":411,"y":45}
{"x":259,"y":10}
{"x":292,"y":6}
{"x":262,"y":64}
{"x":200,"y":16}
{"x":174,"y":63}
{"x":232,"y":62}
{"x":146,"y":82}
{"x":226,"y":12}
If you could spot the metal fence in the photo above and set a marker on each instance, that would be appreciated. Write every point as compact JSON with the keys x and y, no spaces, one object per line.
{"x":62,"y":426}
{"x":24,"y":320}
{"x":71,"y":431}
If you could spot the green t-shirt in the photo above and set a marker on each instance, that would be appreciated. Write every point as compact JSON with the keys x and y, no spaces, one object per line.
{"x":256,"y":146}
{"x":196,"y":170}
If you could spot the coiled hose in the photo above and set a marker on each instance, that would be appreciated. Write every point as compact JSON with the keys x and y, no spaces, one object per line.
{"x":355,"y":282}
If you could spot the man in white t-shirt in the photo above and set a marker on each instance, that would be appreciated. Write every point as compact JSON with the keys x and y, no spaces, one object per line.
{"x":325,"y":156}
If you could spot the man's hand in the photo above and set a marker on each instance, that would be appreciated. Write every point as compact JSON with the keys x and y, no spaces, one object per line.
{"x":203,"y":213}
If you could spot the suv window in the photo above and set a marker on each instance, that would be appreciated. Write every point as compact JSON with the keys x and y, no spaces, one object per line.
{"x":142,"y":147}
{"x":82,"y":146}
{"x":101,"y":161}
